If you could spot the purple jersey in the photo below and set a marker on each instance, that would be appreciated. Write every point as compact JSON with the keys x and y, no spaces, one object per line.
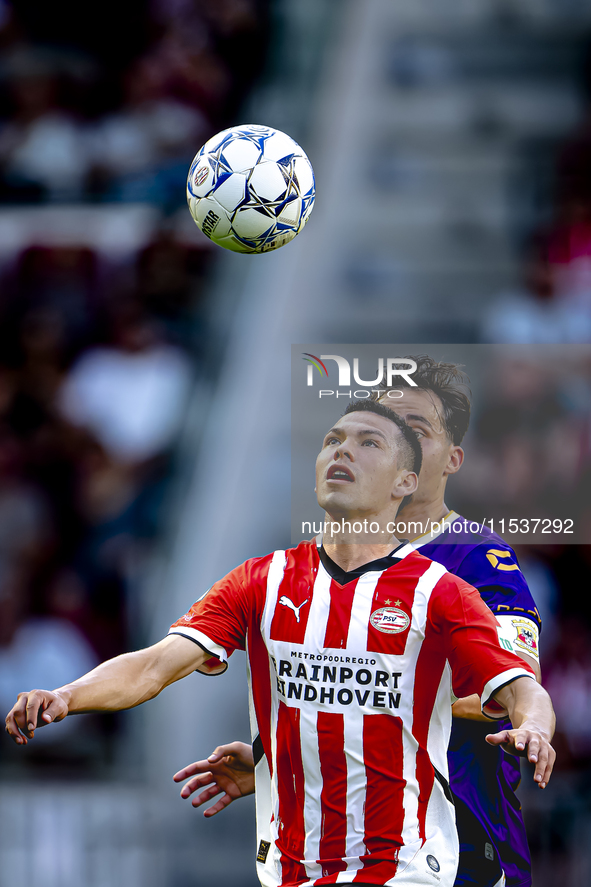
{"x":482,"y":776}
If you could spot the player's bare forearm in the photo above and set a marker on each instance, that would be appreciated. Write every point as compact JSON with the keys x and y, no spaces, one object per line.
{"x":117,"y":684}
{"x":527,"y":702}
{"x":530,"y":710}
{"x":469,"y":707}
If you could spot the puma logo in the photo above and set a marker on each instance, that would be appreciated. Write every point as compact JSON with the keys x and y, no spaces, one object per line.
{"x":287,"y":603}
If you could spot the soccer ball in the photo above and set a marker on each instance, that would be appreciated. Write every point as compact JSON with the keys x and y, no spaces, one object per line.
{"x":251,"y":189}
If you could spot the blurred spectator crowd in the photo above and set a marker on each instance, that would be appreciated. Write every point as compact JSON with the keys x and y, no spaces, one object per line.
{"x":552,"y":301}
{"x":113,"y":107}
{"x":99,"y":347}
{"x":530,"y":443}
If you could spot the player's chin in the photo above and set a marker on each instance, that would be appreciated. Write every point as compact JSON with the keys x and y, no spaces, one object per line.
{"x":328,"y":500}
{"x":338,"y":507}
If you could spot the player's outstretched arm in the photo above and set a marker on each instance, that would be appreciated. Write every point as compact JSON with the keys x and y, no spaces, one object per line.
{"x":119,"y":683}
{"x":229,"y":769}
{"x":530,"y":710}
{"x":469,"y":707}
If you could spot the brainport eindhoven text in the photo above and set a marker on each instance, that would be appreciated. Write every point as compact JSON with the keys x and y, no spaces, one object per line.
{"x":365,"y":686}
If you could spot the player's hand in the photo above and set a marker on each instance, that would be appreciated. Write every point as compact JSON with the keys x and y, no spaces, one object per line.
{"x":230,"y":769}
{"x":33,"y":709}
{"x":531,"y":743}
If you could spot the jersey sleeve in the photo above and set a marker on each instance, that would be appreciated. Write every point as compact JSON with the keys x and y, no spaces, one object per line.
{"x":519,"y":634}
{"x":479,"y":664}
{"x":492,"y":567}
{"x":218,"y":621}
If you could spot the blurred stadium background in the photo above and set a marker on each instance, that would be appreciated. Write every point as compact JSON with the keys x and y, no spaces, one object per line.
{"x":144,"y":377}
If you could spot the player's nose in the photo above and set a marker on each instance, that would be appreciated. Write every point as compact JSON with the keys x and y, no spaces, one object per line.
{"x":343,"y":451}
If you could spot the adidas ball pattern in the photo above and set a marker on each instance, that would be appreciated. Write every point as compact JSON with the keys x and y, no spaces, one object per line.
{"x":251,"y":189}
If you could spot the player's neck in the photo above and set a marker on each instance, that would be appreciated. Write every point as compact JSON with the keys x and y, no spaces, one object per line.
{"x":420,"y":516}
{"x":351,"y":555}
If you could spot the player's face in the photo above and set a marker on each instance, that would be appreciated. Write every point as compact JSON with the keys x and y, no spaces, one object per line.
{"x":423,"y":410}
{"x":357,"y":469}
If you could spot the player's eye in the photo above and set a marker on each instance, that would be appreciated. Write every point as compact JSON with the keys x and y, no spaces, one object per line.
{"x":419,"y":432}
{"x":369,"y":442}
{"x":330,"y":441}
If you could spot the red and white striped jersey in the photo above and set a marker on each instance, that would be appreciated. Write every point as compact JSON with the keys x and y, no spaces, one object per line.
{"x":351,"y":678}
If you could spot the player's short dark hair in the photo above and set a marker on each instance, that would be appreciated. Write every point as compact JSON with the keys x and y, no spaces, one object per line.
{"x":446,"y":380}
{"x":412,"y":454}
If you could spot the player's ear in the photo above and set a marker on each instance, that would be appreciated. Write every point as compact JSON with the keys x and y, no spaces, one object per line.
{"x":454,"y":463}
{"x":406,"y":484}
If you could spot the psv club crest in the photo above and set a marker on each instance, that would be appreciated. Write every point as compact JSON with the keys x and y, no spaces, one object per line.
{"x":390,"y":620}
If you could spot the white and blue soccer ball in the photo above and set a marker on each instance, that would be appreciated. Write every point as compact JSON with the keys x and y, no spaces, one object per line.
{"x":251,"y":189}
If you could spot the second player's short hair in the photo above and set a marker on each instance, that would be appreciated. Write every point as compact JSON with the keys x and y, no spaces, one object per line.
{"x":446,"y":380}
{"x":412,"y":454}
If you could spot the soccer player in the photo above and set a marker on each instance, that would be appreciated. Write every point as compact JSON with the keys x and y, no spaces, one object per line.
{"x":483,"y":778}
{"x":353,"y":650}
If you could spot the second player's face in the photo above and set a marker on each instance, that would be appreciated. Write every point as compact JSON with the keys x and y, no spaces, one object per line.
{"x":423,"y":410}
{"x":357,"y":470}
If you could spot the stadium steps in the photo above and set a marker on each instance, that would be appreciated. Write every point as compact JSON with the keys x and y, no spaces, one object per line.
{"x":436,"y":112}
{"x":453,"y":13}
{"x":107,"y":835}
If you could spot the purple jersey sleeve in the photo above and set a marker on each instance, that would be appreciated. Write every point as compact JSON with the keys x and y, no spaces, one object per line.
{"x":493,"y":568}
